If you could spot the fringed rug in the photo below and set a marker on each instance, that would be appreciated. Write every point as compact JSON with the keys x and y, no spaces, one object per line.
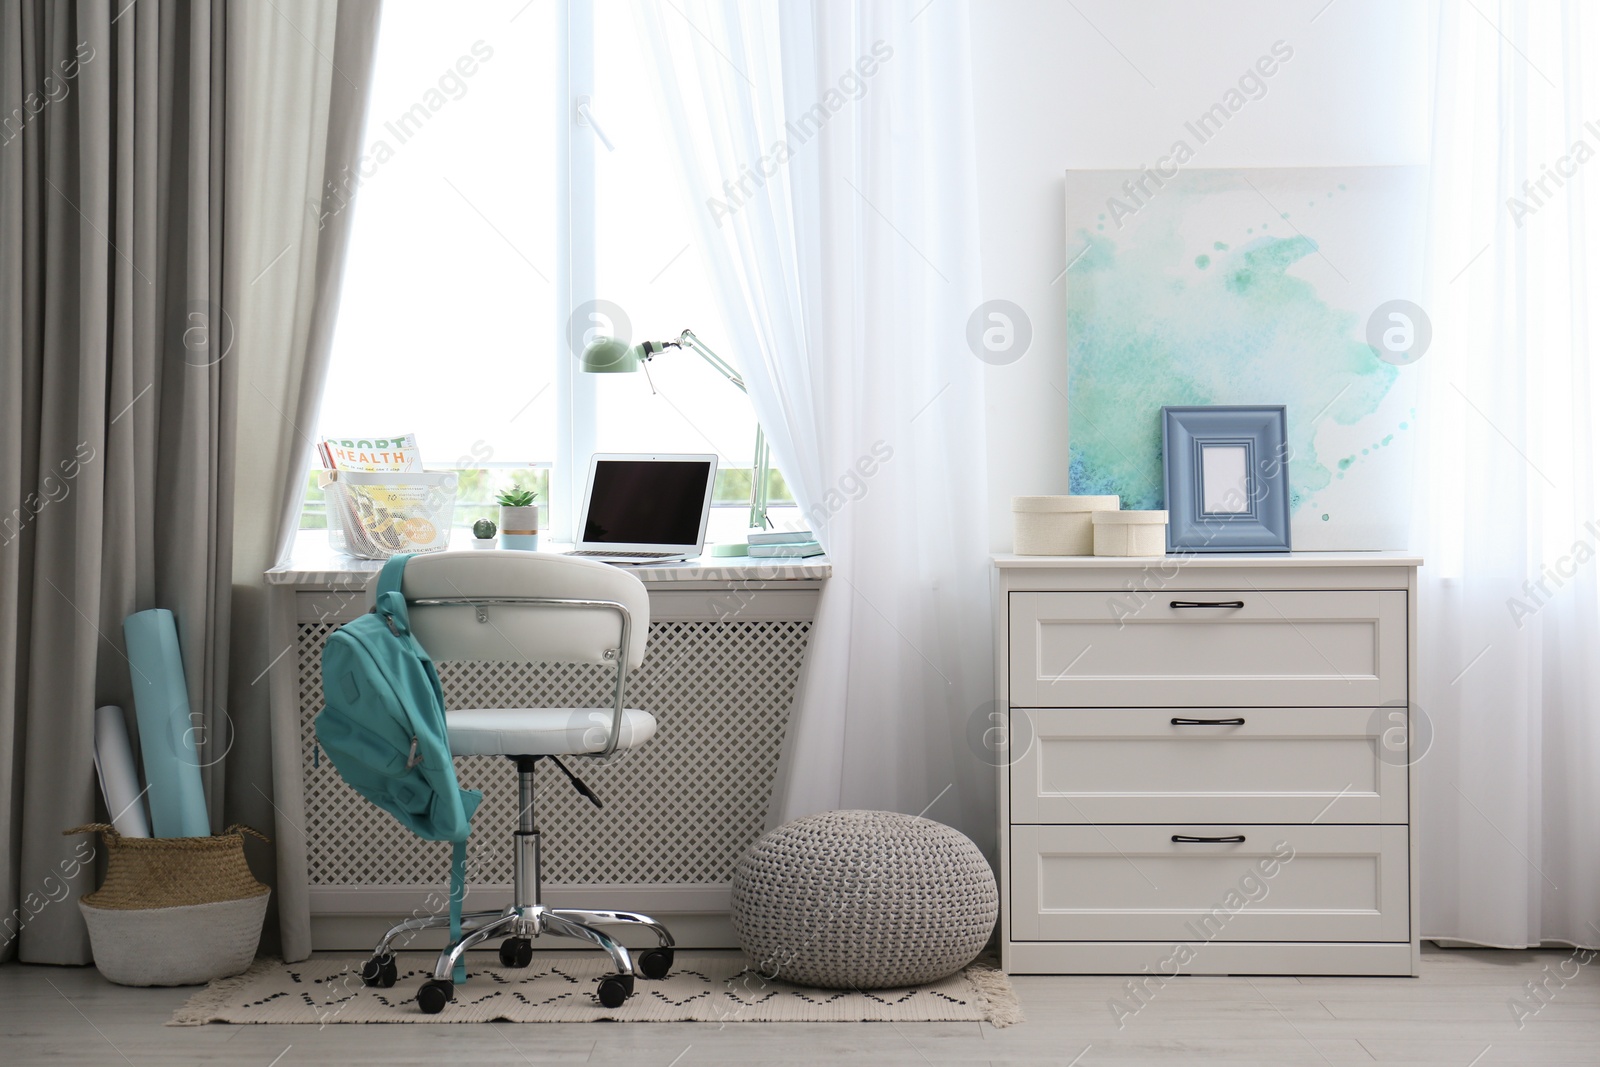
{"x":559,"y":987}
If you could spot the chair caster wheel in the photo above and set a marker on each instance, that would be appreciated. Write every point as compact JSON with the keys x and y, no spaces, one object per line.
{"x":614,"y":989}
{"x":516,"y":952}
{"x":434,"y":995}
{"x":380,"y":971}
{"x":656,"y":963}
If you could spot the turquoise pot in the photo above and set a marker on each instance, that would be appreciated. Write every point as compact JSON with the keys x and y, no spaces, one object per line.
{"x":520,"y":542}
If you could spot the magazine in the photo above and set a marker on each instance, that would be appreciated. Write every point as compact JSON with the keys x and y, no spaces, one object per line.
{"x":381,"y":519}
{"x":371,"y":454}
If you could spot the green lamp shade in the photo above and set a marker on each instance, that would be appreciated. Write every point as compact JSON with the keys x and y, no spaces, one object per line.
{"x":607,"y":355}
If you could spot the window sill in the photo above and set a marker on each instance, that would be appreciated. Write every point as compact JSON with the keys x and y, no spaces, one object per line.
{"x":313,"y":563}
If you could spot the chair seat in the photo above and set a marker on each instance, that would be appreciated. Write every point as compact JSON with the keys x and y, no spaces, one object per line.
{"x":542,"y":731}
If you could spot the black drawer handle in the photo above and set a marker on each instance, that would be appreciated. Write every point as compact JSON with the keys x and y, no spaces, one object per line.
{"x":1207,"y":604}
{"x":1208,"y":722}
{"x":1232,"y":839}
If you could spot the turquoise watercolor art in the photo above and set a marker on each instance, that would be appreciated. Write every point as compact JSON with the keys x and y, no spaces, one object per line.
{"x":1193,"y":298}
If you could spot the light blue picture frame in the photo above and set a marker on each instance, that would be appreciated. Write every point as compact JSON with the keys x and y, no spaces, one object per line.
{"x":1246,"y":509}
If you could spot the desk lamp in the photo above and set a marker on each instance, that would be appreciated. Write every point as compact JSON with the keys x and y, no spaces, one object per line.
{"x":607,"y":355}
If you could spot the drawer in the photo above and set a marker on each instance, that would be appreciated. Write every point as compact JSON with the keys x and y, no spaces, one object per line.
{"x":1282,"y":883}
{"x":1309,"y":648}
{"x":1135,"y":765}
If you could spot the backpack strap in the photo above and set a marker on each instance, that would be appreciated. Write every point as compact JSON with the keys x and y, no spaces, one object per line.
{"x":394,"y":570}
{"x":458,"y":892}
{"x":391,"y":604}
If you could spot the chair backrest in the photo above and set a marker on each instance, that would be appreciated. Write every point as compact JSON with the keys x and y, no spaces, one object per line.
{"x":534,"y":633}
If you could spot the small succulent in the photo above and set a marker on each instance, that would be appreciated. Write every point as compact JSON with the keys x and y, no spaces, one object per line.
{"x":515,"y":498}
{"x":484,"y":529}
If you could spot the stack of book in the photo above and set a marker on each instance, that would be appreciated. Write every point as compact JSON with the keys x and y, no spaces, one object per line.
{"x":789,"y":544}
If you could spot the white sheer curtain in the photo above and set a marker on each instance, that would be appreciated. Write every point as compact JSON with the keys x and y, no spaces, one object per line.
{"x":1510,"y":788}
{"x":301,"y":71}
{"x":827,"y":155}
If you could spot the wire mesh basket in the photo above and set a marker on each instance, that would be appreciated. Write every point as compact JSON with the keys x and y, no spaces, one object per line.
{"x":375,"y":516}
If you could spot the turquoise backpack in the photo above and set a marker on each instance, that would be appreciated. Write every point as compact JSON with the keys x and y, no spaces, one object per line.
{"x":383,"y":727}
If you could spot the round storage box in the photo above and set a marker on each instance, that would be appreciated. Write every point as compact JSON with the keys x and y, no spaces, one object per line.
{"x":1056,"y":525}
{"x":174,"y":910}
{"x":863,"y":900}
{"x":1130,"y":533}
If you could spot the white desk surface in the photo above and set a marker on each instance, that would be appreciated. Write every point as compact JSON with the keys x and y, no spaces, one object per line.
{"x":313,"y":563}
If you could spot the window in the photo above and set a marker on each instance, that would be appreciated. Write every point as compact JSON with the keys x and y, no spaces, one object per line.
{"x":516,"y":198}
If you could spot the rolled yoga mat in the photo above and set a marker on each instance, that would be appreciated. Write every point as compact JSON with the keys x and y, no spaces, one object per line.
{"x":166,"y":732}
{"x":119,"y":778}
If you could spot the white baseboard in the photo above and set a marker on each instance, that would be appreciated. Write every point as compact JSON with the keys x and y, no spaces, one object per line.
{"x":360,"y":933}
{"x":353,"y":918}
{"x":405,"y":899}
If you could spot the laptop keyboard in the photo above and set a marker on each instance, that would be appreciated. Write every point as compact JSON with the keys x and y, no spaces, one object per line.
{"x":626,"y":555}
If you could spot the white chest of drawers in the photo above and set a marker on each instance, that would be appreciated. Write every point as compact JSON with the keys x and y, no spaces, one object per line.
{"x":1208,"y":761}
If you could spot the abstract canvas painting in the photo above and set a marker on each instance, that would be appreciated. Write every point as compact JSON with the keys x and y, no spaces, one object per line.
{"x":1255,"y":286}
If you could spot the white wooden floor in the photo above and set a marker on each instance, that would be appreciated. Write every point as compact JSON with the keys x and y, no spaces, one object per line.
{"x":1455,"y":1015}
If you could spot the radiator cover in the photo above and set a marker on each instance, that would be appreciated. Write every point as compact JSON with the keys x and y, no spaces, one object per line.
{"x":680,"y":810}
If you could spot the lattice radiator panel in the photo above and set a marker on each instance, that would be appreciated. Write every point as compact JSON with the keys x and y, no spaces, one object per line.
{"x":681,"y":809}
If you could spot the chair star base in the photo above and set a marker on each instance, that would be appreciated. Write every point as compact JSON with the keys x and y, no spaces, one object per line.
{"x":520,"y":926}
{"x":523,"y":921}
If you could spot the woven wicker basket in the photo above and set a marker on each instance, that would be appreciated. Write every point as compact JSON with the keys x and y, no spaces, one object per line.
{"x":174,"y":910}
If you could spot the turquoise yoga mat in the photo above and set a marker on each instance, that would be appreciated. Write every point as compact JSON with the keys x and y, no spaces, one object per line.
{"x":166,"y":732}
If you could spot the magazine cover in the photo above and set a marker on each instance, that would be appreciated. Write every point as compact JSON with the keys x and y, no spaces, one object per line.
{"x":371,"y":454}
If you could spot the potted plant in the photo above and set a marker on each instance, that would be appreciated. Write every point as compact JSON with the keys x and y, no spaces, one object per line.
{"x":483,"y":532}
{"x":519,"y":519}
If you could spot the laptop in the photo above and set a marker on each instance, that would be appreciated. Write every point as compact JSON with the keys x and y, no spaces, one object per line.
{"x":645,"y":509}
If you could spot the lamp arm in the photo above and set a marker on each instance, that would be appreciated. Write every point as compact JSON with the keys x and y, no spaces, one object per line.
{"x":687,"y":339}
{"x":763,"y":456}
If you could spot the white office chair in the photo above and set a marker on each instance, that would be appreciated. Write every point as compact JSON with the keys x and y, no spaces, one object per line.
{"x":523,"y":606}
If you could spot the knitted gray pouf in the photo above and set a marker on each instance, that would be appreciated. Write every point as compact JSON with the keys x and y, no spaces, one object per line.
{"x":863,"y":900}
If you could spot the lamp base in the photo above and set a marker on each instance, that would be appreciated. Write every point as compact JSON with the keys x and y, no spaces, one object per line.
{"x":730,"y":548}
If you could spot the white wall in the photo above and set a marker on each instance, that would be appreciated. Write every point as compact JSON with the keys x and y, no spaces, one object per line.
{"x":1053,"y":93}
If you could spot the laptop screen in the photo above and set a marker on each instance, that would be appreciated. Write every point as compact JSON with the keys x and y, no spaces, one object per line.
{"x":646,"y":502}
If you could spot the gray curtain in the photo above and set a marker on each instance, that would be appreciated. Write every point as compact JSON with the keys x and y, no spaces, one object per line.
{"x":116,"y":402}
{"x":290,"y":218}
{"x":123,"y":360}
